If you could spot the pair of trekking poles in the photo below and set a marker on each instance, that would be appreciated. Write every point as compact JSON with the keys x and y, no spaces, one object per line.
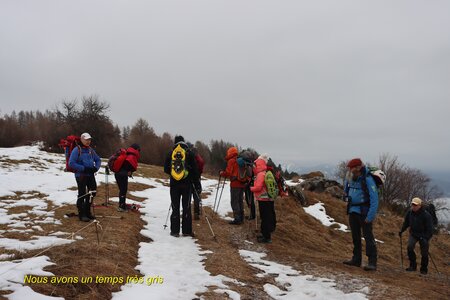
{"x":201,"y":207}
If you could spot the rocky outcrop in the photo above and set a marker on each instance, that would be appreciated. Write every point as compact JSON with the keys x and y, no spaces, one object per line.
{"x":316,"y":182}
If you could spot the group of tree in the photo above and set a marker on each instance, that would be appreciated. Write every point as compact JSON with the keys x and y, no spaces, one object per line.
{"x":91,"y":115}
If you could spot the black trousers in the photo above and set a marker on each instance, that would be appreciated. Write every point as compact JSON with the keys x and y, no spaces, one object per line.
{"x":268,"y":218}
{"x":182,"y":191}
{"x":250,"y":199}
{"x":197,"y":200}
{"x":122,"y":183}
{"x":357,"y":224}
{"x":85,"y":184}
{"x":424,"y":246}
{"x":237,"y":203}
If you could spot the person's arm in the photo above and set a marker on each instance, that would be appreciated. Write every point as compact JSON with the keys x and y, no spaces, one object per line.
{"x":98,"y":161}
{"x":73,"y":160}
{"x":167,"y":163}
{"x":259,"y":183}
{"x":373,"y":194}
{"x":405,"y":222}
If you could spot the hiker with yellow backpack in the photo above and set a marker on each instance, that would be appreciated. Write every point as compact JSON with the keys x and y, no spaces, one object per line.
{"x":180,"y":164}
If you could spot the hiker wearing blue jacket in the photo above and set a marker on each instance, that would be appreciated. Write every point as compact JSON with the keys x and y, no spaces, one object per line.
{"x":86,"y":162}
{"x":362,"y":195}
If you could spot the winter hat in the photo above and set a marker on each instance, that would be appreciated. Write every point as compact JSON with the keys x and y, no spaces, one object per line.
{"x":136,"y":147}
{"x":264,"y":157}
{"x":356,"y":162}
{"x":416,"y":201}
{"x":178,"y":139}
{"x":86,"y":136}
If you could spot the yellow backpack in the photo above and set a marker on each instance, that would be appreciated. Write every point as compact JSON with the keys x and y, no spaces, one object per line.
{"x":179,"y":170}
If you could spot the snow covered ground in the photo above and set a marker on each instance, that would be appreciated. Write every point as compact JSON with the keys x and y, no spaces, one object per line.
{"x":177,"y":261}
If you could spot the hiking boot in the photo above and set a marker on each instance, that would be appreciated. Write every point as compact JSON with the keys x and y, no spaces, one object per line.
{"x":264,"y":240}
{"x":351,"y":262}
{"x":189,"y":234}
{"x":175,"y":234}
{"x":235,"y":222}
{"x":411,"y":269}
{"x":370,"y":267}
{"x":84,"y":219}
{"x":121,"y":209}
{"x":250,"y":218}
{"x":423,"y":271}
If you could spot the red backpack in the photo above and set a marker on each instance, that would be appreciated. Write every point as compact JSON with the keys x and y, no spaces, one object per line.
{"x":116,"y":160}
{"x":68,"y":144}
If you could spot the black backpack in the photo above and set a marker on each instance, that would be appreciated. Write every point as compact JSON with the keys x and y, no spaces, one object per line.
{"x":431,"y":209}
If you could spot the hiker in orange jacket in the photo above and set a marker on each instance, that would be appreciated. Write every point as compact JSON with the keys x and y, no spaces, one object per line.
{"x":236,"y":186}
{"x":265,"y":203}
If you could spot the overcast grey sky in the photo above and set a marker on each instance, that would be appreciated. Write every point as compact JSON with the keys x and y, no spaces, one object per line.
{"x":307,"y":81}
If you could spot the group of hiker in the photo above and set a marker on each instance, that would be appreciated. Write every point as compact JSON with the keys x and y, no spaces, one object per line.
{"x":184,"y":165}
{"x":362,"y":195}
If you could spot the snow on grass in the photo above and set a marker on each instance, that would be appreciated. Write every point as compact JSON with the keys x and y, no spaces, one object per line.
{"x":178,"y":261}
{"x":38,"y":242}
{"x":318,"y":211}
{"x":12,"y":274}
{"x":293,"y":284}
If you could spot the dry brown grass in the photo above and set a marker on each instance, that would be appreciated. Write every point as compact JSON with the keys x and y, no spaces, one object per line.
{"x":299,"y":240}
{"x":304,"y":243}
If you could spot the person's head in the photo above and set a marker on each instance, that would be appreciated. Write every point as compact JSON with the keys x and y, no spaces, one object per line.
{"x":86,"y":139}
{"x":179,"y":139}
{"x":264,"y":157}
{"x":416,"y":204}
{"x":136,"y":147}
{"x":355,"y":166}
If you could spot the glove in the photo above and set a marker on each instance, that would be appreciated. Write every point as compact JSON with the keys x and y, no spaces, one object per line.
{"x":221,"y":173}
{"x":90,"y":170}
{"x":400,"y":233}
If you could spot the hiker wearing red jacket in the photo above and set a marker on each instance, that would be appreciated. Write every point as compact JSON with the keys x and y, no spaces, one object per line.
{"x":236,"y":186}
{"x":129,"y":166}
{"x":265,"y":203}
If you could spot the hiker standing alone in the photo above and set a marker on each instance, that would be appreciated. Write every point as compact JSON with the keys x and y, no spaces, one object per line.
{"x":362,"y":194}
{"x":236,"y":186}
{"x":420,"y":226}
{"x":86,"y":162}
{"x":265,"y":203}
{"x":129,"y":166}
{"x":181,"y":166}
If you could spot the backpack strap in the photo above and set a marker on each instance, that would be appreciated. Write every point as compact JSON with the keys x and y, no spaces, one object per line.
{"x":364,"y":188}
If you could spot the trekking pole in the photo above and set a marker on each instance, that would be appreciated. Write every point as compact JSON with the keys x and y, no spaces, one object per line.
{"x":167,"y":218}
{"x":220,"y":197}
{"x":401,"y":252}
{"x":432,"y":260}
{"x":217,"y":192}
{"x":203,"y":212}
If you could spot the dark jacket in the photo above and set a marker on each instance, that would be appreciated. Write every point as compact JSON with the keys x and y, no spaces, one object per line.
{"x":420,"y":224}
{"x":190,"y":165}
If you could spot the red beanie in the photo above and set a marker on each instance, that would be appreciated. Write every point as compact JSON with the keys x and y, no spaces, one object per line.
{"x":354,"y":163}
